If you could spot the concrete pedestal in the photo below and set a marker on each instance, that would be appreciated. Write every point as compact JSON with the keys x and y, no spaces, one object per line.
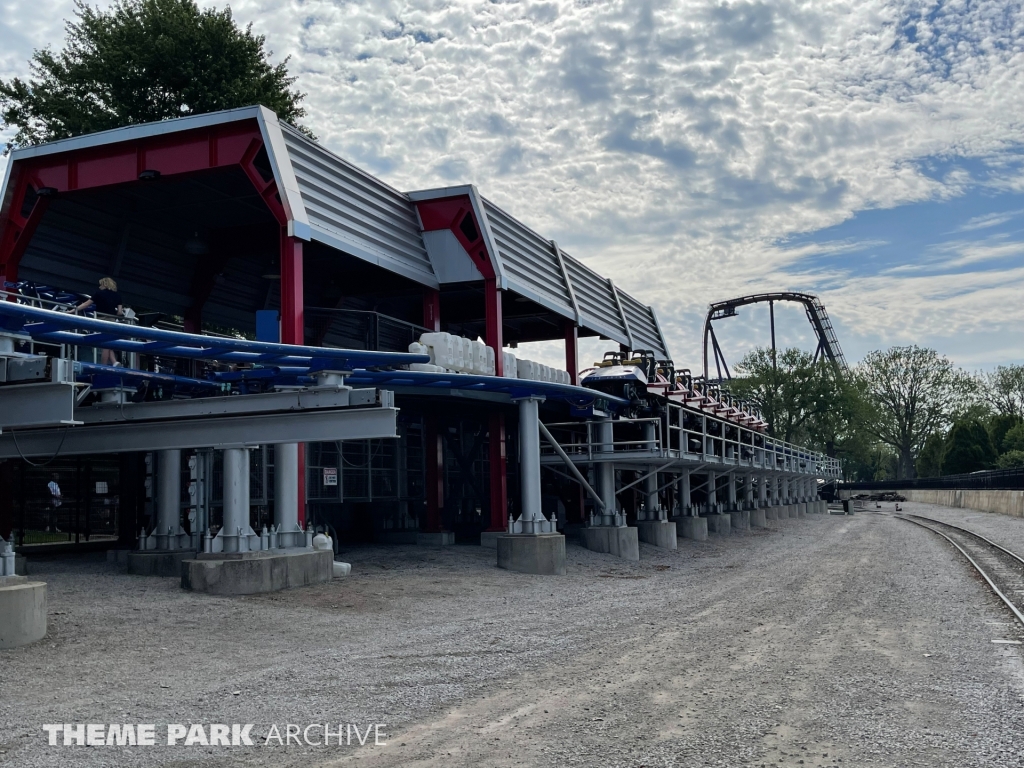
{"x":542,"y":553}
{"x":801,"y":509}
{"x":660,"y":533}
{"x":719,"y":523}
{"x":489,"y":539}
{"x":757,"y":518}
{"x":250,"y":573}
{"x":22,"y":611}
{"x":695,"y":528}
{"x":789,"y":510}
{"x":823,"y":506}
{"x":620,"y":541}
{"x":158,"y":562}
{"x":435,"y":539}
{"x":740,"y":519}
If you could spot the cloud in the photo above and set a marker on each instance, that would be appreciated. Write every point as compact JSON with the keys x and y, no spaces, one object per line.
{"x":678,"y":145}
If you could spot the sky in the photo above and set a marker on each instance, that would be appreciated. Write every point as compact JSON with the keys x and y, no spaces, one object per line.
{"x":869,"y":152}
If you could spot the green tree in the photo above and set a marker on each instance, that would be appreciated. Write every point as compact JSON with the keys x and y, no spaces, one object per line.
{"x":913,"y":392}
{"x":1011,"y":460}
{"x":1006,"y":388}
{"x":999,"y":426}
{"x":1014,"y":439}
{"x":929,"y":461}
{"x":968,"y":449}
{"x":143,"y":61}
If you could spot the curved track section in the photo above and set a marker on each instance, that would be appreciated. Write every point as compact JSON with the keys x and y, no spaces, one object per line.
{"x":1001,"y":569}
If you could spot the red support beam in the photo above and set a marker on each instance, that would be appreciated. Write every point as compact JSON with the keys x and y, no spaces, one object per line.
{"x":432,"y":309}
{"x":572,"y":352}
{"x":293,"y":328}
{"x":433,"y":450}
{"x":498,"y":471}
{"x":18,"y":229}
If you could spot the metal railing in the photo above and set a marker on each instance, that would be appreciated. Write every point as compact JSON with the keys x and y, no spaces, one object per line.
{"x":361,"y":329}
{"x":714,"y":442}
{"x":995,"y":479}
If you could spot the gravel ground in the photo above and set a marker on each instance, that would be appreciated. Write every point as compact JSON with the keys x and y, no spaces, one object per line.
{"x":824,"y":641}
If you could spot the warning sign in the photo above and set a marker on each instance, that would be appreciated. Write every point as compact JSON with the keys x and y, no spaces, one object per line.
{"x":330,"y":476}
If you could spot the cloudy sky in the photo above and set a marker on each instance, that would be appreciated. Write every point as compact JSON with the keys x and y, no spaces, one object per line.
{"x":866,"y":151}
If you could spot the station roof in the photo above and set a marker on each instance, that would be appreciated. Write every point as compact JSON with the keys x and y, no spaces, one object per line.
{"x":327,"y":201}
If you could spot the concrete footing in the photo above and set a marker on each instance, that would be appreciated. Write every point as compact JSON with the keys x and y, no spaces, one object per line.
{"x":621,"y":541}
{"x":489,"y":539}
{"x":695,"y":528}
{"x":791,"y":510}
{"x":719,"y":523}
{"x":250,"y":573}
{"x":158,"y":562}
{"x":660,"y":533}
{"x":757,"y":518}
{"x":435,"y":538}
{"x":740,"y":520}
{"x":22,"y":611}
{"x":542,"y":553}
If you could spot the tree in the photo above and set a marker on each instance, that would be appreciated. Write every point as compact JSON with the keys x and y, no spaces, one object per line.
{"x":1006,"y":388}
{"x":913,"y":392}
{"x":1011,"y":460}
{"x":142,"y":61}
{"x":999,"y":426}
{"x":1014,"y":439}
{"x":968,"y":449}
{"x":929,"y":461}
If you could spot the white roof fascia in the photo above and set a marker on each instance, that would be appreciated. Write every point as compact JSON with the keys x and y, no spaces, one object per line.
{"x":135,"y":132}
{"x":284,"y":175}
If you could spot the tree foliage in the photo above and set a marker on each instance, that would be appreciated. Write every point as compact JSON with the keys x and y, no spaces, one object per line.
{"x":143,"y":61}
{"x":1011,"y":460}
{"x":999,"y":426}
{"x":1006,"y":388}
{"x":1014,"y":439}
{"x":968,"y":449}
{"x":929,"y":461}
{"x":803,"y":400}
{"x":913,"y":392}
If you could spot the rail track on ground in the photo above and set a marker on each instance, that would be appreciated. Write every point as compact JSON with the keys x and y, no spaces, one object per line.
{"x":1000,"y":568}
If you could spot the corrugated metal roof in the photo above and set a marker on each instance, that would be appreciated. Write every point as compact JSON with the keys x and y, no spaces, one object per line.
{"x":351,"y":210}
{"x":335,"y":203}
{"x":531,"y":264}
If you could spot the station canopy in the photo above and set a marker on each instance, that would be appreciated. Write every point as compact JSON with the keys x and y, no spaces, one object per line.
{"x":188,"y":215}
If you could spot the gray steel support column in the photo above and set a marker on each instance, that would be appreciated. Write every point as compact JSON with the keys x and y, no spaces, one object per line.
{"x":529,"y":465}
{"x":652,"y":509}
{"x":748,"y":487}
{"x":731,"y":490}
{"x":684,"y":492}
{"x":286,"y":495}
{"x":168,"y":499}
{"x":236,"y":498}
{"x":606,"y":472}
{"x":762,"y":491}
{"x":712,"y":492}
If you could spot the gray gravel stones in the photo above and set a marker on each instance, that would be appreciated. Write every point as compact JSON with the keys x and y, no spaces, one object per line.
{"x":825,"y":641}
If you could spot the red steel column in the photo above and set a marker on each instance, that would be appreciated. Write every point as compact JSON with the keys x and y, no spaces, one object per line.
{"x":498,"y":471}
{"x":496,"y":429}
{"x":572,"y":352}
{"x":433,"y":451}
{"x":293,"y":330}
{"x":432,"y":309}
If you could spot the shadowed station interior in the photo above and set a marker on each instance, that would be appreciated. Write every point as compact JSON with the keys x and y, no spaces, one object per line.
{"x":314,"y":358}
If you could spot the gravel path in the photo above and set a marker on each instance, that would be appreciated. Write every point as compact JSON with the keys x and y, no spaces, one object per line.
{"x":824,"y":641}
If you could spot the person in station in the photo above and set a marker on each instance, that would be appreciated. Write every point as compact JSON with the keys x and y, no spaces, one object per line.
{"x":106,"y":301}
